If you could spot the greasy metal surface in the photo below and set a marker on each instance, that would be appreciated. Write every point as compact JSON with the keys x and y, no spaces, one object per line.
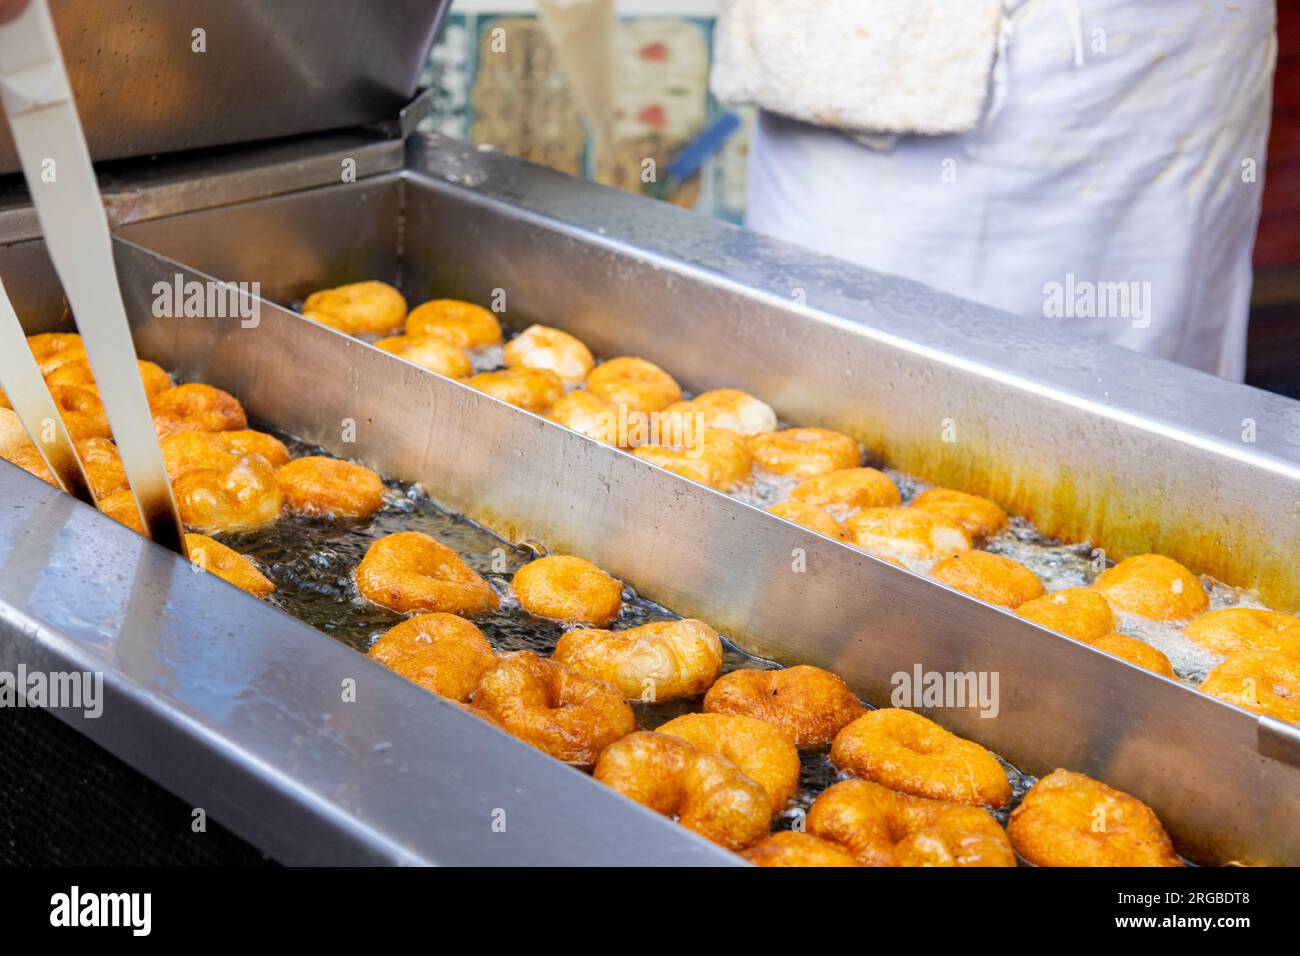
{"x":145,"y":88}
{"x":240,"y":710}
{"x":1062,"y":704}
{"x":1088,"y":441}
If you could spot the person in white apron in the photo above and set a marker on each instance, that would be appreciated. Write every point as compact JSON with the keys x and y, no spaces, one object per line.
{"x":1103,"y":169}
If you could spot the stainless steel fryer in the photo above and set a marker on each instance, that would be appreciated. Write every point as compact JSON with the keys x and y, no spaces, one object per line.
{"x":236,"y":707}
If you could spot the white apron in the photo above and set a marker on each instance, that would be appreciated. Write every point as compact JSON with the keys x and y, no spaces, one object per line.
{"x":1113,"y":184}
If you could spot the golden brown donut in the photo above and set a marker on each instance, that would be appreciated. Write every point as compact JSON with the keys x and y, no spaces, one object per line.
{"x":1237,"y":629}
{"x":728,"y":408}
{"x":358,"y":308}
{"x":227,"y":564}
{"x":443,"y":653}
{"x":1266,"y":682}
{"x":121,"y":507}
{"x":82,"y":412}
{"x":463,"y":324}
{"x":29,"y":460}
{"x":431,"y":352}
{"x":52,"y":349}
{"x":77,"y":372}
{"x":316,"y":485}
{"x":640,"y":386}
{"x":989,"y":577}
{"x":1069,"y":819}
{"x":906,"y":532}
{"x":719,"y":459}
{"x":102,"y":465}
{"x":564,"y":588}
{"x":1080,"y":613}
{"x":1153,"y":586}
{"x":4,"y":399}
{"x":540,"y":346}
{"x":185,"y":451}
{"x":810,"y":516}
{"x":763,"y":751}
{"x":848,"y":490}
{"x":880,"y":827}
{"x":653,"y":662}
{"x":534,"y":389}
{"x":978,"y":517}
{"x":587,"y":413}
{"x":12,"y":433}
{"x":792,"y":848}
{"x":906,"y":752}
{"x":542,"y":702}
{"x":806,"y":702}
{"x":410,"y":571}
{"x":804,"y":452}
{"x":704,"y":792}
{"x":239,"y":497}
{"x":196,"y":407}
{"x":1134,"y":651}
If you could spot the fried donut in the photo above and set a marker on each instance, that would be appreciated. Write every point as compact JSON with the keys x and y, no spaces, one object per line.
{"x":441,"y":652}
{"x":587,"y":413}
{"x":410,"y":571}
{"x":564,"y":588}
{"x":989,"y":577}
{"x":534,"y":389}
{"x":660,"y":661}
{"x":185,"y":451}
{"x":1080,"y":613}
{"x":77,"y":372}
{"x":719,"y":459}
{"x":4,"y":399}
{"x":728,"y":408}
{"x":978,"y":517}
{"x":196,"y":407}
{"x":848,"y":490}
{"x":431,"y":352}
{"x":704,"y":792}
{"x":12,"y":433}
{"x":810,"y":704}
{"x":463,"y":324}
{"x":1069,"y":819}
{"x":1266,"y":682}
{"x":805,"y":452}
{"x":52,"y":349}
{"x":792,"y":848}
{"x":227,"y":564}
{"x":810,"y":516}
{"x":121,"y":507}
{"x":1134,"y":651}
{"x":907,"y":752}
{"x":1153,"y":586}
{"x":240,"y":497}
{"x":102,"y":466}
{"x":906,"y":532}
{"x":1237,"y":629}
{"x":316,"y":485}
{"x":570,"y":716}
{"x":29,"y":460}
{"x":540,"y":346}
{"x":880,"y":827}
{"x":763,"y":751}
{"x":82,"y":412}
{"x":358,"y":308}
{"x":641,"y":386}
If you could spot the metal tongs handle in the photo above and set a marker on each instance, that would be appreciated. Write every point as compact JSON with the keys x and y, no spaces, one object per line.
{"x":56,"y":164}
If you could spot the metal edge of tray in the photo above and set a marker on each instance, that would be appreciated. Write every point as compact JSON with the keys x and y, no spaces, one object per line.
{"x":1089,"y":441}
{"x":239,"y":709}
{"x":1193,"y":758}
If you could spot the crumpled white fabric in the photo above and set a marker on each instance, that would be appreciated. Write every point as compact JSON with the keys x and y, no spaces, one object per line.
{"x":1122,"y":143}
{"x":863,"y":66}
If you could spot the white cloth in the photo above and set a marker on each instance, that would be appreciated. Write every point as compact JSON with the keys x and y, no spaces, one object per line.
{"x":1123,"y":142}
{"x":864,"y":66}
